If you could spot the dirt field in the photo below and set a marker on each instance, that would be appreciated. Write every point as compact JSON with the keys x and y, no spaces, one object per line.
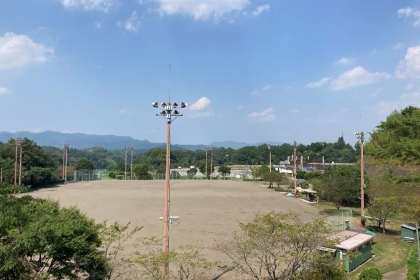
{"x":210,"y":210}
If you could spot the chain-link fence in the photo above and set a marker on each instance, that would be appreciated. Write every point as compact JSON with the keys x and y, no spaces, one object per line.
{"x":340,"y":221}
{"x":90,"y":175}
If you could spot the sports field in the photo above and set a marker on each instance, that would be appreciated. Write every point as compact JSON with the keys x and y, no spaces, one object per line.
{"x":210,"y":211}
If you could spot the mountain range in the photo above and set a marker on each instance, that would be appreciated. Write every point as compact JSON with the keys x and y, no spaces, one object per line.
{"x":111,"y":142}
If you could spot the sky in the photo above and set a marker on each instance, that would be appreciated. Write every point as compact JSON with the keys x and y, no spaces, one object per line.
{"x":250,"y":70}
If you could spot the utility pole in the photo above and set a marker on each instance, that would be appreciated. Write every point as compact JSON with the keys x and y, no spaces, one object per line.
{"x":361,"y":137}
{"x":125,"y":165}
{"x":131,"y":164}
{"x":65,"y":147}
{"x":269,"y":148}
{"x":294,"y":160}
{"x":208,"y":148}
{"x":20,"y":142}
{"x":16,"y":161}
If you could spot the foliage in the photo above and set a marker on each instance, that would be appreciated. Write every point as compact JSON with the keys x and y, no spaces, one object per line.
{"x":273,"y":176}
{"x":113,"y":238}
{"x":339,"y":185}
{"x":397,"y":138}
{"x":12,"y":189}
{"x":224,"y":170}
{"x":43,"y":241}
{"x":371,"y":273}
{"x":191,"y":172}
{"x":141,"y":170}
{"x":188,"y":264}
{"x":191,"y":265}
{"x":278,"y":246}
{"x":411,"y":207}
{"x":383,"y":200}
{"x":38,"y":167}
{"x":84,"y":164}
{"x":413,"y":265}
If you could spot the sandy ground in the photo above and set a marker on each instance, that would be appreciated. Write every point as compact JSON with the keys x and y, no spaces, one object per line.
{"x":210,"y":211}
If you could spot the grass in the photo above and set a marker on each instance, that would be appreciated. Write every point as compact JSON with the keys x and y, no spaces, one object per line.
{"x":390,"y":252}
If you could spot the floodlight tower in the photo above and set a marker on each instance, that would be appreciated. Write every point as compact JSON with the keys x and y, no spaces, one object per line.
{"x":269,"y":149}
{"x":170,"y":111}
{"x":361,"y":137}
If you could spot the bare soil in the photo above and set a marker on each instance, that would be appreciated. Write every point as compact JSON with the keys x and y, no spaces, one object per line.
{"x":210,"y":211}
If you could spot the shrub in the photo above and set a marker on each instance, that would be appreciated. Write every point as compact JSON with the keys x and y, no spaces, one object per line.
{"x":372,"y":273}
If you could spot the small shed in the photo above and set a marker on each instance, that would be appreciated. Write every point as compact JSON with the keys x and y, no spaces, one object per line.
{"x":408,"y":233}
{"x":354,"y":248}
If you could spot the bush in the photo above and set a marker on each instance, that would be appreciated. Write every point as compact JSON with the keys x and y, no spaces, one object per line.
{"x":413,"y":267}
{"x":372,"y":273}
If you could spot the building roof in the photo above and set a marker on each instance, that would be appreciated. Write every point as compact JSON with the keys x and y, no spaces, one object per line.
{"x":351,"y":239}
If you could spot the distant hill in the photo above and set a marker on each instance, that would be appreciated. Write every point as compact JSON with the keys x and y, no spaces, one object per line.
{"x":109,"y":142}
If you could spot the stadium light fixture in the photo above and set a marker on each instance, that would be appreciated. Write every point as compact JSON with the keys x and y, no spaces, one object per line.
{"x":361,"y":137}
{"x":170,"y":112}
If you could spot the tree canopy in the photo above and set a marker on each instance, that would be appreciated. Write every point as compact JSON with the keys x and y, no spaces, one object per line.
{"x":397,"y":138}
{"x":42,"y":241}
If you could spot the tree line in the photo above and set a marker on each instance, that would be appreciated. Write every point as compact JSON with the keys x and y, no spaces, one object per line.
{"x":43,"y":165}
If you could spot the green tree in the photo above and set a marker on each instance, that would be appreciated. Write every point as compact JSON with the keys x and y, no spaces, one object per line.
{"x":384,"y":200}
{"x":397,"y":138}
{"x":191,"y":172}
{"x":141,"y":170}
{"x":38,"y":167}
{"x":279,"y":246}
{"x":43,"y":241}
{"x":84,"y":164}
{"x":339,"y":185}
{"x":224,"y":170}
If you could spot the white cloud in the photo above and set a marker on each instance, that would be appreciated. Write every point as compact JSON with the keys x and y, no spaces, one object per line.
{"x":319,"y":83}
{"x":357,"y":76}
{"x":4,"y":90}
{"x":239,"y":107}
{"x":19,"y":50}
{"x":344,"y":61}
{"x":405,"y":100}
{"x":258,"y":10}
{"x":410,"y":66}
{"x":102,"y":5}
{"x":267,"y":115}
{"x":200,"y":104}
{"x":132,"y":24}
{"x":410,"y":12}
{"x":264,"y":88}
{"x":202,"y":9}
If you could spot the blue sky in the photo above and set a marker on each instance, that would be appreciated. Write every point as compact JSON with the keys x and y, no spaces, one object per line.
{"x":250,"y":70}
